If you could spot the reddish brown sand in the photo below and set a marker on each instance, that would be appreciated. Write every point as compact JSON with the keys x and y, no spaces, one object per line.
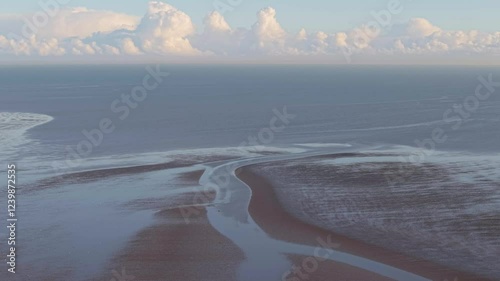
{"x":174,"y":250}
{"x":191,"y":177}
{"x":96,"y":175}
{"x":266,"y":210}
{"x":187,"y":179}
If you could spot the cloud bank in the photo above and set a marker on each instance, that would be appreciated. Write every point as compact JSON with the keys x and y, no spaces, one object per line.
{"x":169,"y":32}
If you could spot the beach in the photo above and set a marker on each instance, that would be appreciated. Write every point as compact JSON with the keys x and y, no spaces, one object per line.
{"x":196,"y":250}
{"x":279,"y":173}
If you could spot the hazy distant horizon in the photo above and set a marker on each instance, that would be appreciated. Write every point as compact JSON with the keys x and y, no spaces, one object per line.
{"x":332,"y":61}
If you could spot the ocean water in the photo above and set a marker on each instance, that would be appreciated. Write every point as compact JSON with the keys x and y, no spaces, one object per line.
{"x":426,"y":113}
{"x":220,"y":106}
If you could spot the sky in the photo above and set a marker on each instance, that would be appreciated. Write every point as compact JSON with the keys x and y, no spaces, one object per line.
{"x":298,"y":30}
{"x":325,"y":15}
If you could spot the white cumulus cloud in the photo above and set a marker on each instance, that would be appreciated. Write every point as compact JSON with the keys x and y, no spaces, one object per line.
{"x":167,"y":31}
{"x":270,"y":36}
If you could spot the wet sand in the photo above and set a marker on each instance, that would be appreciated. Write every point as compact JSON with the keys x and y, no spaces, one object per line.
{"x":191,"y":177}
{"x":266,"y":210}
{"x":101,"y":174}
{"x":439,"y":210}
{"x":175,"y":250}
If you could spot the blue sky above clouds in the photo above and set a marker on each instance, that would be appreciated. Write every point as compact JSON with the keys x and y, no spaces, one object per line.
{"x":327,"y":15}
{"x":257,"y":28}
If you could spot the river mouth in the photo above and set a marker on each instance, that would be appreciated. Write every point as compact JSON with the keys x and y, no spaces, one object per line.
{"x":264,"y":216}
{"x":237,"y":225}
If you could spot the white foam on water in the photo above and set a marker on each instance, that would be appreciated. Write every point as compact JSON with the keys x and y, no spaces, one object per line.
{"x":149,"y":158}
{"x":358,"y":160}
{"x":321,"y":145}
{"x":20,"y":122}
{"x":13,"y":128}
{"x":381,"y":128}
{"x":243,"y":151}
